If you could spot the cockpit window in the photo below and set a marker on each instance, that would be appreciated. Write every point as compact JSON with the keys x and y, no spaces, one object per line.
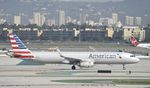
{"x":132,"y":55}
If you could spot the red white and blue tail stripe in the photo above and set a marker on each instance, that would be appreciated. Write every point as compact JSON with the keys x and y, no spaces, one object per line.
{"x":19,"y":49}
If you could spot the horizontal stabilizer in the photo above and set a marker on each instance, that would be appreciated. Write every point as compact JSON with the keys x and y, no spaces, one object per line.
{"x":30,"y":62}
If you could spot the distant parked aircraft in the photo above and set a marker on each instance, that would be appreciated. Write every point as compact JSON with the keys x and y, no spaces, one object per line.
{"x":135,"y":43}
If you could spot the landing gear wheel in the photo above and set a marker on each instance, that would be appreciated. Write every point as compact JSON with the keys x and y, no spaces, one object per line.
{"x":73,"y":67}
{"x":124,"y":68}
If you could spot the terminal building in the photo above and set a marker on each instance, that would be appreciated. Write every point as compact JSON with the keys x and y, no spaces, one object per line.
{"x":98,"y":34}
{"x":57,"y":35}
{"x":89,"y":34}
{"x":133,"y":31}
{"x":27,"y":34}
{"x":92,"y":35}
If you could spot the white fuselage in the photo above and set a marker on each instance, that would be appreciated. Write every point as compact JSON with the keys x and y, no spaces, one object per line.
{"x":97,"y":57}
{"x":144,"y":45}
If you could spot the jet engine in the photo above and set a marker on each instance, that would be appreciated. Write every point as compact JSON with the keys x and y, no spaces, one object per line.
{"x":87,"y":63}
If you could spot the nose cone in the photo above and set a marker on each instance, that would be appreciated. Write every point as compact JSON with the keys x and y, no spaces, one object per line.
{"x":136,"y":60}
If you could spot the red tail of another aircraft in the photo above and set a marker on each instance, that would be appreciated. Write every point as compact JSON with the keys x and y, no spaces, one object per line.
{"x":134,"y":41}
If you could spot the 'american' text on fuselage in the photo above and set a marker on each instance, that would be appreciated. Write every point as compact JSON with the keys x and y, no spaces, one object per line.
{"x":101,"y":56}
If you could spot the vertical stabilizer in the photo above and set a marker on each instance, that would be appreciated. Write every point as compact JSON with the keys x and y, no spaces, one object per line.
{"x":18,"y":48}
{"x":134,"y":41}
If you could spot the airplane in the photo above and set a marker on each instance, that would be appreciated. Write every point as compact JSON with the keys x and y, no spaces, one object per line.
{"x":81,"y":59}
{"x":135,"y":43}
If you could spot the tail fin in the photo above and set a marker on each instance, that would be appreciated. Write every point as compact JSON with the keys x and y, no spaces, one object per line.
{"x":19,"y":49}
{"x":134,"y":41}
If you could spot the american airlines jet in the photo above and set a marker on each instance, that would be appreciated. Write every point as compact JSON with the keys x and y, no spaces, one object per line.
{"x":135,"y":43}
{"x":81,"y":59}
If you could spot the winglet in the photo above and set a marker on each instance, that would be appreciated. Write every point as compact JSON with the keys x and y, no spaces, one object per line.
{"x":58,"y":50}
{"x":92,"y":49}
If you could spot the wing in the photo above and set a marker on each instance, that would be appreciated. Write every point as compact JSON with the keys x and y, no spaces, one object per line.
{"x":70,"y":59}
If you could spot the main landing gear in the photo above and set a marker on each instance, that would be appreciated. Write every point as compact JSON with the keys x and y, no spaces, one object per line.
{"x":73,"y":67}
{"x":124,"y":68}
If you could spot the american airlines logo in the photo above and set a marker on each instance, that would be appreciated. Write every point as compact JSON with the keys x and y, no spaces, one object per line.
{"x":101,"y":56}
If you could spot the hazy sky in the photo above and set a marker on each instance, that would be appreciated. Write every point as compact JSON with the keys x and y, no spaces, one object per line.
{"x":93,"y":0}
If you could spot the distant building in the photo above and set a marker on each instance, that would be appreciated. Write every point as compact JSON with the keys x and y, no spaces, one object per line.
{"x":114,"y":18}
{"x":83,"y":18}
{"x":17,"y":20}
{"x":31,"y":21}
{"x":68,"y":19}
{"x":147,"y":33}
{"x":110,"y":32}
{"x":119,"y":24}
{"x":74,"y":21}
{"x":132,"y":31}
{"x":38,"y":18}
{"x":3,"y":35}
{"x":2,"y":21}
{"x":92,"y":35}
{"x":129,"y":21}
{"x":27,"y":34}
{"x":61,"y":18}
{"x":118,"y":34}
{"x":60,"y":35}
{"x":90,"y":22}
{"x":142,"y":35}
{"x":51,"y":22}
{"x":105,"y":21}
{"x":138,"y":21}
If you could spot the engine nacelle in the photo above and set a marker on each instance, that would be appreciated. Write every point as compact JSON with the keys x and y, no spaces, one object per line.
{"x":86,"y":64}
